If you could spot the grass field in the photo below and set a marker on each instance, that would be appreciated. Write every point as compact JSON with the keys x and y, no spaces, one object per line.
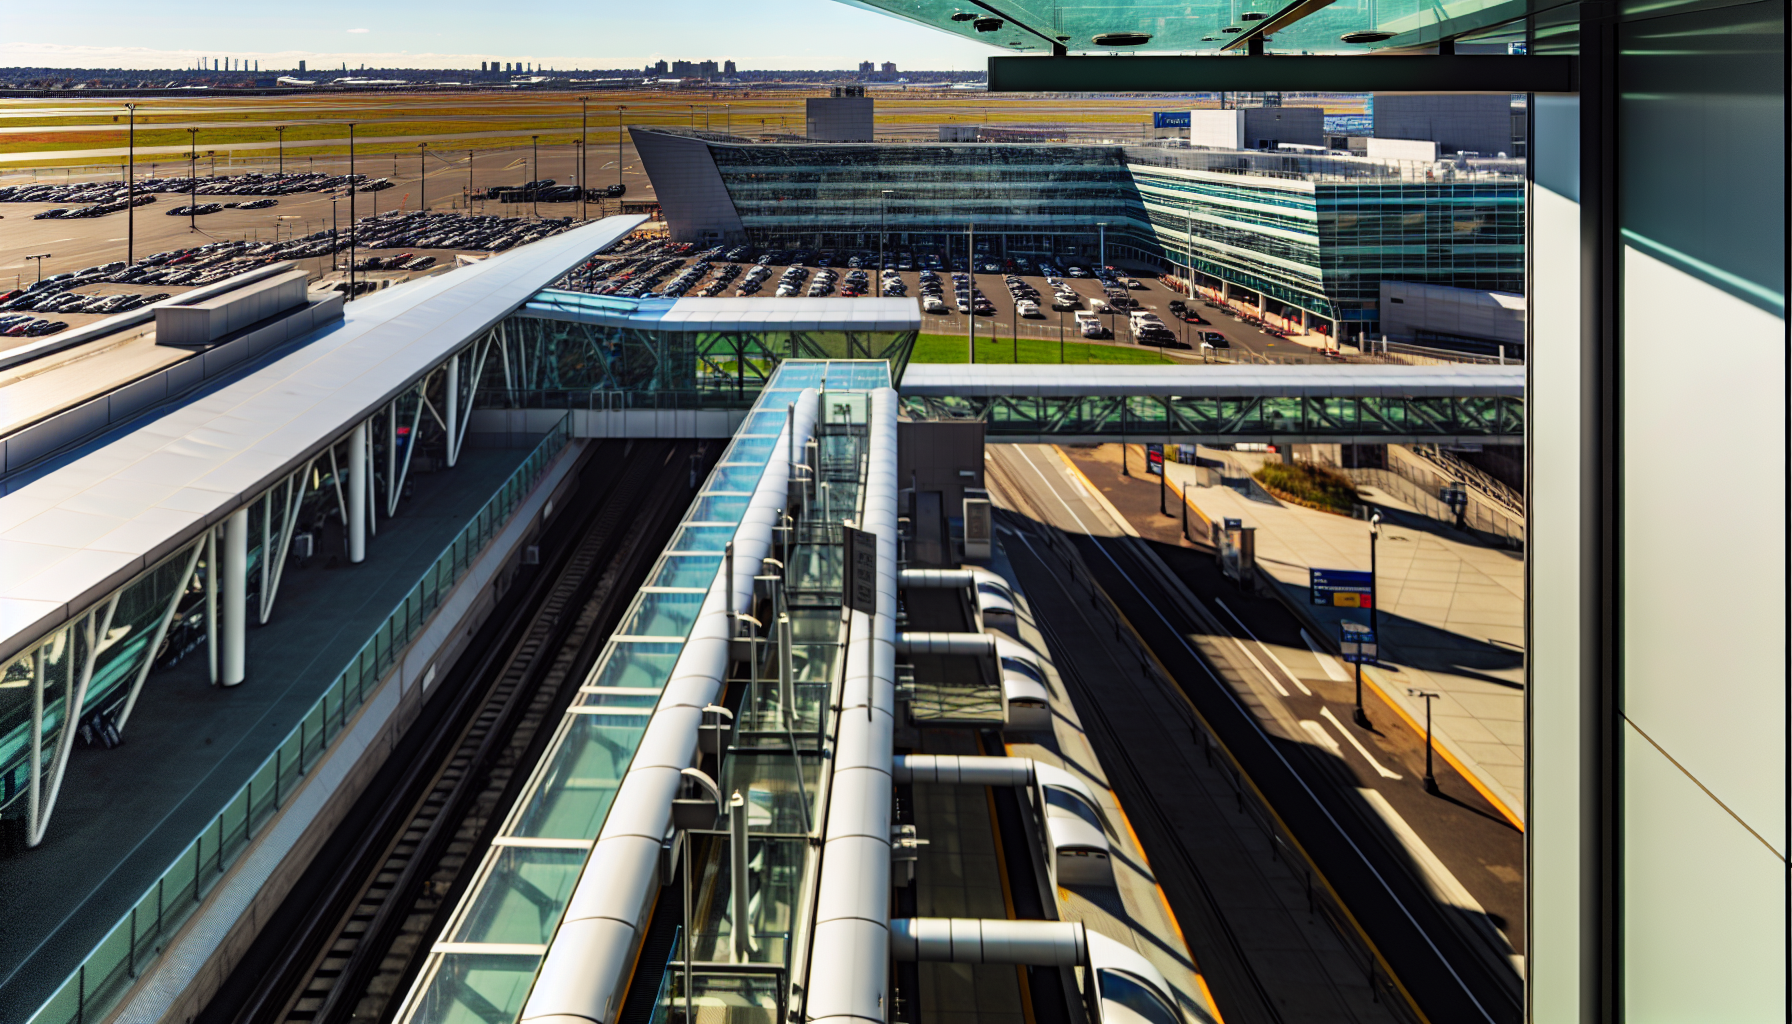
{"x":949,"y":348}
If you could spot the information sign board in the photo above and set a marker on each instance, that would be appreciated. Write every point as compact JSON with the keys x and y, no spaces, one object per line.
{"x":1342,"y":588}
{"x":1154,"y":459}
{"x":861,"y":571}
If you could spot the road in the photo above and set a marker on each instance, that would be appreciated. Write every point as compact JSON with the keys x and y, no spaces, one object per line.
{"x":1430,"y":881}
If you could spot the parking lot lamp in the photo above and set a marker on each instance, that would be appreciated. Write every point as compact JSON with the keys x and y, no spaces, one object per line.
{"x":584,"y":133}
{"x":280,"y":149}
{"x":535,"y":151}
{"x":192,"y":178}
{"x":40,"y":258}
{"x":883,"y":233}
{"x":422,"y":179}
{"x":351,"y":211}
{"x":619,"y":134}
{"x":130,"y":191}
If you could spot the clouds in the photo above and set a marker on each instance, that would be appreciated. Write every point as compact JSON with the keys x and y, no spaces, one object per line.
{"x":356,"y":31}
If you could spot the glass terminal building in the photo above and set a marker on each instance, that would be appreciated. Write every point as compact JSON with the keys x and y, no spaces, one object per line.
{"x":1310,"y":236}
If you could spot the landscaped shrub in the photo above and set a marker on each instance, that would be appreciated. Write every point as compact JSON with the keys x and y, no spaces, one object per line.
{"x":1309,"y":484}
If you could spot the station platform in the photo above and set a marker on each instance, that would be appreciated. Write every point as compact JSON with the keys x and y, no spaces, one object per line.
{"x":1452,"y":615}
{"x":125,"y":814}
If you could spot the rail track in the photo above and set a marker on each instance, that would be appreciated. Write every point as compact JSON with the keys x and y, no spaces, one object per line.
{"x":352,"y":939}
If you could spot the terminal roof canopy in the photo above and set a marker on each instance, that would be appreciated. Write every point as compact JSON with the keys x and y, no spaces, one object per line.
{"x":1188,"y":26}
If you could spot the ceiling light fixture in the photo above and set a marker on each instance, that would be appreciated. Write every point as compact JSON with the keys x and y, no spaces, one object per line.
{"x":964,"y":16}
{"x":1366,"y":36}
{"x":1252,"y":16}
{"x":1231,"y":30}
{"x":1122,"y":39}
{"x":987,"y":24}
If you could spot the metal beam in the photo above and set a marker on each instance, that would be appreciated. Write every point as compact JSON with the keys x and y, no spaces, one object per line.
{"x":1426,"y":73}
{"x":1275,"y":23}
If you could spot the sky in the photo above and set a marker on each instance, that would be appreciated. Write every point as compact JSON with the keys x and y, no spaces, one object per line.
{"x":561,"y":34}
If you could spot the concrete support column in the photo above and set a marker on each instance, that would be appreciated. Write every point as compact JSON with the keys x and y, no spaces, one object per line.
{"x":1225,"y":292}
{"x":1303,"y":321}
{"x":357,"y":494}
{"x":235,"y":572}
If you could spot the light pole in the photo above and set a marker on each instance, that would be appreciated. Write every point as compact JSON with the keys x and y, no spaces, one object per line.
{"x":535,"y":155}
{"x":584,"y":133}
{"x":351,"y":210}
{"x":422,"y":180}
{"x":469,"y":183}
{"x":192,"y":179}
{"x":280,"y":147}
{"x":883,"y":232}
{"x":130,"y":191}
{"x":40,"y":258}
{"x":1427,"y":696}
{"x":1374,"y":598}
{"x":619,"y":134}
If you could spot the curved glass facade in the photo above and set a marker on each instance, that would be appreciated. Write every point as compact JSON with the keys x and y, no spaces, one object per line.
{"x":1313,"y":232}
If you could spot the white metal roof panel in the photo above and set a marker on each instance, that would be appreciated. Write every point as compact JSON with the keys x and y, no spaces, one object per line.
{"x":76,"y":531}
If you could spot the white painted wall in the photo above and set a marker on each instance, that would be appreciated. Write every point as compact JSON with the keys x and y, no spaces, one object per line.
{"x":1216,"y":129}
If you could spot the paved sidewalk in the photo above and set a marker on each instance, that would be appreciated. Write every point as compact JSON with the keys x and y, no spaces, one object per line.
{"x":1451,"y":616}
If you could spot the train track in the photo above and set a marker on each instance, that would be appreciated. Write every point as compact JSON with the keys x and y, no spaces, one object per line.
{"x":1414,"y":946}
{"x":354,"y":951}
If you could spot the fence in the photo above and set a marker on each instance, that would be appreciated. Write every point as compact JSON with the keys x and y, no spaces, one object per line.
{"x":106,"y":973}
{"x":1480,"y":518}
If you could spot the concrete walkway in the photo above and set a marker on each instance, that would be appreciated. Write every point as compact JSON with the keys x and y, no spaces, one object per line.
{"x":1451,"y":616}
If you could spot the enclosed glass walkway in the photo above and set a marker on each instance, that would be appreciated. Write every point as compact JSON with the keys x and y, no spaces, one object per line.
{"x":484,"y":964}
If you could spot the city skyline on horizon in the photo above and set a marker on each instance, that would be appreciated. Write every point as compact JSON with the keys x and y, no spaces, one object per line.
{"x":174,"y":36}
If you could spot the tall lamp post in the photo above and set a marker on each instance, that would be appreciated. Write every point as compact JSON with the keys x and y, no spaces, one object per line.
{"x":192,"y":179}
{"x":584,"y":145}
{"x":351,"y":210}
{"x":1427,"y":696}
{"x":619,"y":134}
{"x":280,"y":148}
{"x":883,"y":232}
{"x":535,"y":155}
{"x":422,"y":179}
{"x":130,"y":192}
{"x":40,"y":258}
{"x":1374,"y":597}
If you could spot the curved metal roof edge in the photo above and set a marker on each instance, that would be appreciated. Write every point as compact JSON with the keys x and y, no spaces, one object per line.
{"x":179,"y":472}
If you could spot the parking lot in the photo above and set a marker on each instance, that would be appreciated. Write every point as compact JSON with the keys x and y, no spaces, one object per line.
{"x":1196,"y":330}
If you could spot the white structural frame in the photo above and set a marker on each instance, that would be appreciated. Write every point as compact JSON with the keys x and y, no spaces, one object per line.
{"x":849,"y":954}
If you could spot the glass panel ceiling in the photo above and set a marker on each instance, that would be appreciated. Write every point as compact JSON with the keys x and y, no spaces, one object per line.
{"x":1201,"y":26}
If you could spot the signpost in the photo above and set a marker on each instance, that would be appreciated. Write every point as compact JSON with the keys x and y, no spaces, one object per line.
{"x":1154,"y":466}
{"x":861,"y":596}
{"x":861,"y":571}
{"x":1358,"y":644}
{"x":1342,"y":588}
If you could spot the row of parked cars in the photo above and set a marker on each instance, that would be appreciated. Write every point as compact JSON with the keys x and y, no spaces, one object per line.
{"x":112,"y":196}
{"x":545,"y":190}
{"x":29,"y":326}
{"x":75,"y":302}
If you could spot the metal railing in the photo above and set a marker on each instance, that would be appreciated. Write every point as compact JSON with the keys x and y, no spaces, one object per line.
{"x":1481,"y":519}
{"x":106,"y":973}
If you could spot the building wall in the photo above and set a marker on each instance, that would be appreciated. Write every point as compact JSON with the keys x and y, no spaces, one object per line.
{"x":1469,"y":122}
{"x":1303,"y":126}
{"x":692,"y":197}
{"x":1703,"y":698}
{"x":1657,"y":674}
{"x":1425,"y":312}
{"x":839,"y":118}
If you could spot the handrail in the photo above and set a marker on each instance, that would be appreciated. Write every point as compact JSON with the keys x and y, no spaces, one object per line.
{"x":104,"y":974}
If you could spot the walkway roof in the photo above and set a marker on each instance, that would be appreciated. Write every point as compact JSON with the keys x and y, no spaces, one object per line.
{"x":79,"y":530}
{"x":728,"y":314}
{"x":1198,"y":380}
